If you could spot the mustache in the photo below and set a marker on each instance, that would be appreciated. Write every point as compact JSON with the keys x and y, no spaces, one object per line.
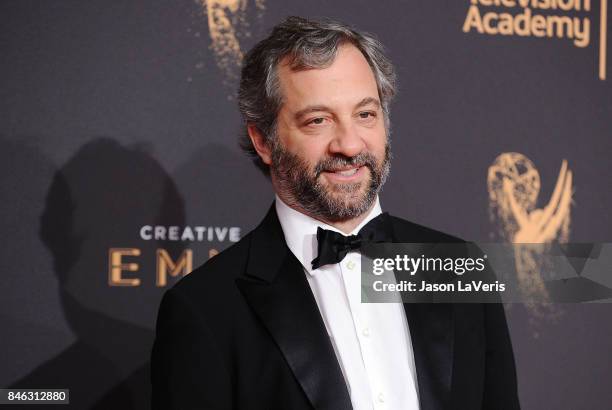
{"x":332,"y":163}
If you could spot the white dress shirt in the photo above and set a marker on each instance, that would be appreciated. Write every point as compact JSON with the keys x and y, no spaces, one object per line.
{"x":371,"y":340}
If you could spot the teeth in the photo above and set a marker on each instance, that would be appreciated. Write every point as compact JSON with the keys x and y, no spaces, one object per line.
{"x":348,"y":173}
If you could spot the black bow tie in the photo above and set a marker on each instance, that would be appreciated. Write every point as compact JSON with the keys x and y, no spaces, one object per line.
{"x":332,"y":246}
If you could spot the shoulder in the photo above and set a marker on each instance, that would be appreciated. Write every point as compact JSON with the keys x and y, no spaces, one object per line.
{"x":215,"y":280}
{"x":218,"y":274}
{"x":406,"y":231}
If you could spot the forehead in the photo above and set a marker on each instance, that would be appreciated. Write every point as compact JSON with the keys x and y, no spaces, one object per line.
{"x":347,"y":80}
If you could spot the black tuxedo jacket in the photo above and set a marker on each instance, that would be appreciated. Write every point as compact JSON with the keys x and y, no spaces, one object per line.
{"x":244,"y":332}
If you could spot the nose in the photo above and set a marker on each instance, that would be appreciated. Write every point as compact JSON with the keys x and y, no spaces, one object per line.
{"x":346,"y":141}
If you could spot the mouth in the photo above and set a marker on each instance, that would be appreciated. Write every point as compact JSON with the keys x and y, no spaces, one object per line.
{"x":347,"y":174}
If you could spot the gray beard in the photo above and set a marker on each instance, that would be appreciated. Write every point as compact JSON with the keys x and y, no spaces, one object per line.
{"x":301,"y":186}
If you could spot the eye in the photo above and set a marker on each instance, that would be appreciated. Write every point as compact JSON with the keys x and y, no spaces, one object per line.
{"x":316,"y":121}
{"x":365,"y":115}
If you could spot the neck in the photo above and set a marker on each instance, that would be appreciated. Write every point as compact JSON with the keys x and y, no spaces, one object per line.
{"x":348,"y":225}
{"x":345,"y":226}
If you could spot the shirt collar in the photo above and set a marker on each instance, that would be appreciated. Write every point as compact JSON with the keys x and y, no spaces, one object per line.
{"x":300,"y":232}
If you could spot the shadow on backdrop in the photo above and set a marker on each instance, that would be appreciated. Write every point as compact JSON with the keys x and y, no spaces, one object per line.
{"x":98,"y":200}
{"x":29,"y":303}
{"x":223,"y":186}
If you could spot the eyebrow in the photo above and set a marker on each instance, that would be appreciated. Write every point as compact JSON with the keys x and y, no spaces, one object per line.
{"x":319,"y":107}
{"x":368,"y":101}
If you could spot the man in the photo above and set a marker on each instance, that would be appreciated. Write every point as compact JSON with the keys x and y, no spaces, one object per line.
{"x":275,"y":321}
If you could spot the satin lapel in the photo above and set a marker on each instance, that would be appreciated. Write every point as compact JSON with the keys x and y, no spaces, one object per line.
{"x":432,"y":334}
{"x":280,"y":295}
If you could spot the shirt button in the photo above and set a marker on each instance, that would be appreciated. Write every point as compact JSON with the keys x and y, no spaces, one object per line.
{"x":381,"y":398}
{"x":366,"y":332}
{"x":350,"y":265}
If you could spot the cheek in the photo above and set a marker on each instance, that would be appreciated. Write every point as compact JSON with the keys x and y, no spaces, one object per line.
{"x":377,"y":143}
{"x":309,"y":150}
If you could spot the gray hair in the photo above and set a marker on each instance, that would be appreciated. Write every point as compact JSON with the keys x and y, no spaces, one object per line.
{"x":306,"y":44}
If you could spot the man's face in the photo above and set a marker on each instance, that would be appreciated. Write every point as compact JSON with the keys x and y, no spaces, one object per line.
{"x":331,"y":154}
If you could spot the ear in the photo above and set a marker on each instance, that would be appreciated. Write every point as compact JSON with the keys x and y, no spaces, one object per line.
{"x":260,"y":144}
